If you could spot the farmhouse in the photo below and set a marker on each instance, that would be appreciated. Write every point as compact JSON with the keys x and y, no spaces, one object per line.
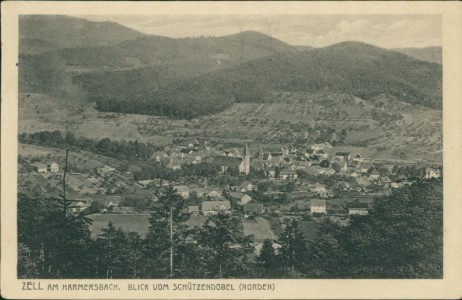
{"x":104,"y":171}
{"x":247,"y":186}
{"x":343,"y":155}
{"x":358,"y":208}
{"x":318,"y":206}
{"x":322,"y":154}
{"x":317,"y":147}
{"x":374,"y":174}
{"x":431,"y":173}
{"x":241,"y":197}
{"x":288,"y":174}
{"x":194,"y":210}
{"x":318,"y":188}
{"x":366,"y":167}
{"x":40,"y":168}
{"x":215,"y":207}
{"x":123,"y":209}
{"x":355,"y":164}
{"x":253,"y":209}
{"x":80,"y":206}
{"x":174,"y":164}
{"x":54,"y":168}
{"x":358,"y":157}
{"x":112,"y":200}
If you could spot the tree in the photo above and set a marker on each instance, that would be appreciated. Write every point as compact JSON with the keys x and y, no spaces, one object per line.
{"x":293,"y":247}
{"x":166,"y":233}
{"x":117,"y":254}
{"x":267,"y":258}
{"x":224,"y":247}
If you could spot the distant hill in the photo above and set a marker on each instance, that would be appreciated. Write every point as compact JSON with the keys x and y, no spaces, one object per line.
{"x":123,"y":70}
{"x":354,"y":68}
{"x":303,"y":47}
{"x":39,"y":33}
{"x":430,"y":54}
{"x":58,"y":47}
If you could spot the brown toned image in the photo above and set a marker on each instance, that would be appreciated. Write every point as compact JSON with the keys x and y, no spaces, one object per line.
{"x":197,"y":150}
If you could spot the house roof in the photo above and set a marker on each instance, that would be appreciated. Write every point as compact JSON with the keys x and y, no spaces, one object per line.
{"x":181,"y":188}
{"x":318,"y":202}
{"x":39,"y":165}
{"x":344,"y":154}
{"x":276,"y":154}
{"x":309,"y":151}
{"x":319,"y":185}
{"x":253,"y":207}
{"x":375,"y":172}
{"x":215,"y":205}
{"x":228,"y":161}
{"x":288,"y":171}
{"x":193,"y":208}
{"x":319,"y":146}
{"x":367,"y":165}
{"x":266,"y":155}
{"x":357,"y":205}
{"x":355,"y":164}
{"x":239,"y":195}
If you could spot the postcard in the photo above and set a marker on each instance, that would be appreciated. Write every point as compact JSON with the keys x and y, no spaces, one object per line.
{"x":231,"y":150}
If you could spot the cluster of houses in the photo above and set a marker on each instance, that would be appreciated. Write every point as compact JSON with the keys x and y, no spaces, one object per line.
{"x":315,"y":160}
{"x":42,"y":168}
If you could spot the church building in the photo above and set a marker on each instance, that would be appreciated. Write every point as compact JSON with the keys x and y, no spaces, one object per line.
{"x":240,"y":163}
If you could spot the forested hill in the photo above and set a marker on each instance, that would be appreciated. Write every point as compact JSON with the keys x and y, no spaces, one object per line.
{"x":42,"y":33}
{"x":430,"y":54}
{"x":349,"y":67}
{"x":123,"y":70}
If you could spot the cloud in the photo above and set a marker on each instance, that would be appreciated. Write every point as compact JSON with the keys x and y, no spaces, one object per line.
{"x":388,"y":31}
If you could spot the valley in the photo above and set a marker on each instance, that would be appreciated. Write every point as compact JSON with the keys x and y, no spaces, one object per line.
{"x":386,"y":128}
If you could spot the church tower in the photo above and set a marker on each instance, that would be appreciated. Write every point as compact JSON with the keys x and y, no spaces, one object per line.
{"x":246,"y":160}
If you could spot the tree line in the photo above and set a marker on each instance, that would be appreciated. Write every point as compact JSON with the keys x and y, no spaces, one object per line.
{"x":401,"y":237}
{"x":105,"y":146}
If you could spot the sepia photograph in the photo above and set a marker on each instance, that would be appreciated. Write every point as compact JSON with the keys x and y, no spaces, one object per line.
{"x":228,"y":146}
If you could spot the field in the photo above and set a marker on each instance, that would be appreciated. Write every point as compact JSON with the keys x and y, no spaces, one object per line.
{"x":384,"y":128}
{"x":259,"y":228}
{"x":131,"y":222}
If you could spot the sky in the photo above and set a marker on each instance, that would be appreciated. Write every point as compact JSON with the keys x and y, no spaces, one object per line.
{"x":386,"y":31}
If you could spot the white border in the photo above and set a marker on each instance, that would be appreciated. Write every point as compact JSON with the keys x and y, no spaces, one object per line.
{"x":448,"y":288}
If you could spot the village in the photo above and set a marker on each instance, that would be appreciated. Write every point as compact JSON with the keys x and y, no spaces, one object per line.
{"x":262,"y":188}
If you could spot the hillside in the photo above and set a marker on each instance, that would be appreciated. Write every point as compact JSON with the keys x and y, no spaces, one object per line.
{"x":383,"y":127}
{"x":354,"y":68}
{"x":55,"y":49}
{"x":40,"y":33}
{"x":430,"y":54}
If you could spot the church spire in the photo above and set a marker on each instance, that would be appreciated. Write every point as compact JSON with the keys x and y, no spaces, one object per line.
{"x":246,"y":150}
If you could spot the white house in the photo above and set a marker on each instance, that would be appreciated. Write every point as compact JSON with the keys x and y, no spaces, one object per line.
{"x":183,"y":190}
{"x":318,"y":206}
{"x":360,"y":211}
{"x":318,"y":188}
{"x":54,"y":168}
{"x":215,"y":207}
{"x":431,"y":173}
{"x":41,"y":168}
{"x":357,"y":208}
{"x":241,"y":197}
